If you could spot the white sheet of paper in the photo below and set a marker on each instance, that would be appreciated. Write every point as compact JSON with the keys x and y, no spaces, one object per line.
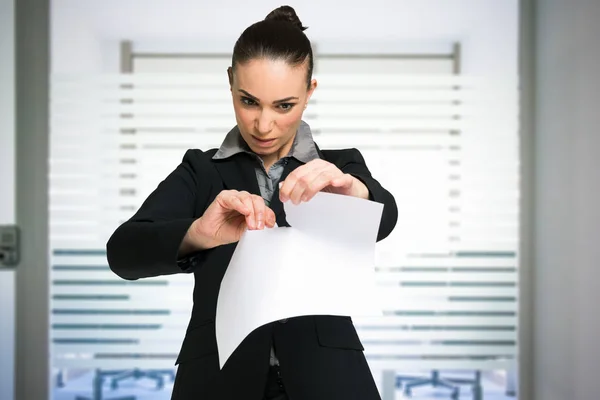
{"x":322,"y":265}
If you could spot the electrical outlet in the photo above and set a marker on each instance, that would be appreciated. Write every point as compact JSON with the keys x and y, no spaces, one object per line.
{"x":9,"y":245}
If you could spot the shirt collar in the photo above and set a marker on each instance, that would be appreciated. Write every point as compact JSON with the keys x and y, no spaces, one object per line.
{"x":303,"y":148}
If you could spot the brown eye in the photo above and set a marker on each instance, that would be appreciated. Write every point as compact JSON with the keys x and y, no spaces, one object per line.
{"x":247,"y":101}
{"x":286,"y":106}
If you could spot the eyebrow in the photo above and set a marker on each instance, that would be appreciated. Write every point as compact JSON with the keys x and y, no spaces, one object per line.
{"x":275,"y":102}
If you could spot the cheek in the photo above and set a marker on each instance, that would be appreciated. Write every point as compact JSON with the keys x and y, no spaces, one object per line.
{"x":290,"y":120}
{"x":243,"y":115}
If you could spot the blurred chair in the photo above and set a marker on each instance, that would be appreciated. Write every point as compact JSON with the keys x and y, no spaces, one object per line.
{"x":449,"y":383}
{"x":117,"y":376}
{"x":435,"y":381}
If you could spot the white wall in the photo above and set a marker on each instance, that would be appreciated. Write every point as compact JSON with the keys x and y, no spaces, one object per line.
{"x":7,"y":192}
{"x":567,"y":193}
{"x":86,"y":33}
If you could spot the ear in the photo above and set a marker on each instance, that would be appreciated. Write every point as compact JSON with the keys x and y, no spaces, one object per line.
{"x":311,"y":89}
{"x":230,"y":77}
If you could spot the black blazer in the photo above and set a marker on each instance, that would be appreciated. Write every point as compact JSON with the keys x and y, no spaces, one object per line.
{"x":321,"y":357}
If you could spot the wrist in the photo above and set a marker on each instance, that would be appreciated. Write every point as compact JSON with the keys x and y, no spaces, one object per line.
{"x":200,"y":237}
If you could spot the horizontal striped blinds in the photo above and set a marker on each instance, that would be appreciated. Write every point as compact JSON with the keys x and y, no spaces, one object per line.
{"x":446,"y":146}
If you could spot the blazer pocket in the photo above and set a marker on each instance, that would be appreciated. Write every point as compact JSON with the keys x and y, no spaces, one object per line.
{"x":337,"y":332}
{"x":199,"y":342}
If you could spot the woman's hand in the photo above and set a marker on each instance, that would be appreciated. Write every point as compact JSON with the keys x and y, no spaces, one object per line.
{"x":226,"y":219}
{"x":319,"y":175}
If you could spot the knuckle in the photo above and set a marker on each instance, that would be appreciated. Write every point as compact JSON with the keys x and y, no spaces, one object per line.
{"x":293,"y":175}
{"x":304,"y":181}
{"x":227,"y":194}
{"x":223,"y":198}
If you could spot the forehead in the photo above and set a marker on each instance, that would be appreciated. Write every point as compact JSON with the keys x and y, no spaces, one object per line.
{"x":270,"y":79}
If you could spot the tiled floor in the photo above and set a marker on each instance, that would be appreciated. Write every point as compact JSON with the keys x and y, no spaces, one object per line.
{"x":145,"y":389}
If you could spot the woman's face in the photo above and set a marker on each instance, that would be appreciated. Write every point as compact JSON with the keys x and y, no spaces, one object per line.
{"x":269,"y":98}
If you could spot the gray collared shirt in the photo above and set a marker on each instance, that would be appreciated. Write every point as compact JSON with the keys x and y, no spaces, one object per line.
{"x":303,"y":149}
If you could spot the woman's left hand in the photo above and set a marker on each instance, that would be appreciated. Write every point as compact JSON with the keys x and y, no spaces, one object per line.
{"x":319,"y":175}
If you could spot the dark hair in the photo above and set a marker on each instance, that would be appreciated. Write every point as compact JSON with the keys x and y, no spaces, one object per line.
{"x":280,"y":36}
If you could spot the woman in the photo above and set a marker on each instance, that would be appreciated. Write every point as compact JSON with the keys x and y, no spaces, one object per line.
{"x":194,"y":218}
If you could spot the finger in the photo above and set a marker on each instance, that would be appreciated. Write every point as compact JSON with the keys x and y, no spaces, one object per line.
{"x":286,"y":188}
{"x":270,"y":219}
{"x":231,"y":201}
{"x":320,"y":182}
{"x":317,"y":181}
{"x":246,"y":198}
{"x":300,"y":186}
{"x":258,"y":204}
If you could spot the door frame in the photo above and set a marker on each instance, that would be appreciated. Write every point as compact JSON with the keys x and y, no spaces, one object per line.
{"x":32,"y":46}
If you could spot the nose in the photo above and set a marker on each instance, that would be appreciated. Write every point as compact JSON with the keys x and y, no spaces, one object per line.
{"x":264,"y":122}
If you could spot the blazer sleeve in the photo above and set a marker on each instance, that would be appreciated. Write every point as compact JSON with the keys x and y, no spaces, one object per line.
{"x":357,"y":167}
{"x":148,"y":243}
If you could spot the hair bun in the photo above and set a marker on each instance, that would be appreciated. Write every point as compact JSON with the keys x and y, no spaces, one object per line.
{"x":286,"y":14}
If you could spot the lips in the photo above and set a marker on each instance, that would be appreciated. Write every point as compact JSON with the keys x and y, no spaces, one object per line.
{"x":263,"y":142}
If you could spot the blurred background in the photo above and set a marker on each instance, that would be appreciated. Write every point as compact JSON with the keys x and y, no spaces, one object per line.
{"x":487,"y":109}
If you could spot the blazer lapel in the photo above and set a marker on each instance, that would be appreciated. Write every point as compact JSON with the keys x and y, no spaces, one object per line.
{"x":238,"y":172}
{"x":276,"y":204}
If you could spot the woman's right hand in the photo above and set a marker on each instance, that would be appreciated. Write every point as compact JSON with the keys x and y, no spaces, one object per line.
{"x":226,"y":219}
